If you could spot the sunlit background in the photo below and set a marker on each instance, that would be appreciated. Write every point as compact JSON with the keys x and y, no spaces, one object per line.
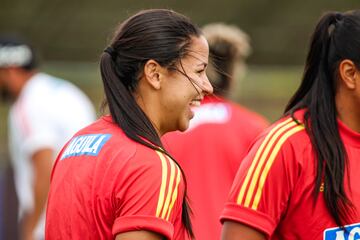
{"x":70,"y":36}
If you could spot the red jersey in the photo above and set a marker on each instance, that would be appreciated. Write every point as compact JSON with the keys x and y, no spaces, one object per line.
{"x":210,"y":152}
{"x":273,"y":189}
{"x":104,"y":184}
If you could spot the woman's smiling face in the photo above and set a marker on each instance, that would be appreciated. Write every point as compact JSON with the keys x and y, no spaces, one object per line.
{"x":185,"y":87}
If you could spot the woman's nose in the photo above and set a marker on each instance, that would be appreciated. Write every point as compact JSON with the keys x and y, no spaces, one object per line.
{"x":207,"y":87}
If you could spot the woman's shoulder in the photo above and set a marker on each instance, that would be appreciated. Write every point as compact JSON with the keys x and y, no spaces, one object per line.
{"x":151,"y":158}
{"x":289,"y":131}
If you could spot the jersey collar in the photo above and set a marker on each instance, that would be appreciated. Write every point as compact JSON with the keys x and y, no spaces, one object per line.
{"x":348,"y":135}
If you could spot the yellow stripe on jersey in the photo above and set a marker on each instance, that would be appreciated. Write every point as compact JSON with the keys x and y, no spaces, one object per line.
{"x":170,"y":188}
{"x":164,"y":172}
{"x":175,"y":193}
{"x":263,"y":159}
{"x":270,"y":161}
{"x":255,"y":160}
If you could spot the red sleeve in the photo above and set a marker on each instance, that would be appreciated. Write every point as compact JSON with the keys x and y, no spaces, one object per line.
{"x":150,"y":196}
{"x":265,"y":180}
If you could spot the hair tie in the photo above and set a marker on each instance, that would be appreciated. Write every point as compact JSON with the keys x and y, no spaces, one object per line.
{"x":110,"y":51}
{"x":334,"y":22}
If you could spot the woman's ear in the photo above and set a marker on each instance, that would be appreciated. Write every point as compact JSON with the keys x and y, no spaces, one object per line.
{"x":349,"y":73}
{"x":151,"y":73}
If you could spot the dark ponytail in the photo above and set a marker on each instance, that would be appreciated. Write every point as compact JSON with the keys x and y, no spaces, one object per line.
{"x":336,"y":37}
{"x":161,"y":35}
{"x":123,"y":107}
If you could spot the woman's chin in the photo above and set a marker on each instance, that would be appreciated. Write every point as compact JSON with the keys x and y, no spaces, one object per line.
{"x":184,"y":125}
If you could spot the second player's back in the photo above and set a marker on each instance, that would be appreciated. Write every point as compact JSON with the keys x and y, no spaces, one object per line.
{"x":210,"y":153}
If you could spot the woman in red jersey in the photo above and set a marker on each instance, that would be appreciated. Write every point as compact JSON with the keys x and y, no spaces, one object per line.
{"x":300,"y":179}
{"x":114,"y":180}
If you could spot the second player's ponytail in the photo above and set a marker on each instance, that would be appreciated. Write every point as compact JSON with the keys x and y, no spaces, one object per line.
{"x":336,"y":37}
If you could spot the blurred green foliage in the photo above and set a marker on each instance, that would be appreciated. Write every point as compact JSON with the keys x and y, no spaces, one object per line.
{"x":79,"y":30}
{"x":268,"y":89}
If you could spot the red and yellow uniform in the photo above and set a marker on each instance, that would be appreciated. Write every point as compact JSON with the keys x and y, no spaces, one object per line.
{"x":104,"y":184}
{"x":273,"y":188}
{"x":210,"y":152}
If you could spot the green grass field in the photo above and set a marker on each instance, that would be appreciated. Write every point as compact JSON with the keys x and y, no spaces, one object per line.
{"x":266,"y":90}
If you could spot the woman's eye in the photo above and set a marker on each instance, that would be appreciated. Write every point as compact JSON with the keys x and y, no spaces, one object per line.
{"x":200,"y":71}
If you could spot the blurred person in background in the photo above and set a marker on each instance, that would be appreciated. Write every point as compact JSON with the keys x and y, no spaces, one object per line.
{"x":211,"y":150}
{"x":115,"y":179}
{"x":301,"y":178}
{"x":45,"y":113}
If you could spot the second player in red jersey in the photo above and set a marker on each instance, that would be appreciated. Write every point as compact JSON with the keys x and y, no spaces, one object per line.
{"x":272,"y":191}
{"x":300,"y":179}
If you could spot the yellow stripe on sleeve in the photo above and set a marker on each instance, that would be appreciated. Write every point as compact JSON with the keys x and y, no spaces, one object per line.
{"x":164,"y":173}
{"x":255,"y":160}
{"x":262,"y":161}
{"x":175,"y":193}
{"x":270,"y":162}
{"x":170,"y":188}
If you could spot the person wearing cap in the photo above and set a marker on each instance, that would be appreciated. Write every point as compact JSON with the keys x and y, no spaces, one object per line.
{"x":219,"y":134}
{"x":45,"y":111}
